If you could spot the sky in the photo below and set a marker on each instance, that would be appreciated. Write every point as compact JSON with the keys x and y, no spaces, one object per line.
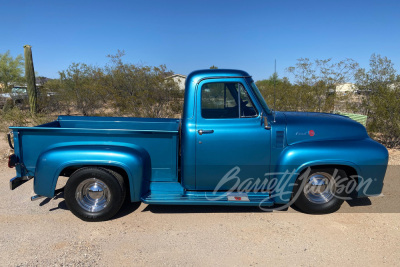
{"x":190,"y":35}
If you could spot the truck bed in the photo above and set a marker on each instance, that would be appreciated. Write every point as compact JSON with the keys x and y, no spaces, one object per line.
{"x":160,"y":137}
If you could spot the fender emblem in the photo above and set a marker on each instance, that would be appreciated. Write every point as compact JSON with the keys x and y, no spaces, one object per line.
{"x":311,"y":133}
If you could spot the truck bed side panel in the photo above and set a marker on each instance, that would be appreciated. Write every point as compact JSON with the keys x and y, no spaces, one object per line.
{"x":159,"y":137}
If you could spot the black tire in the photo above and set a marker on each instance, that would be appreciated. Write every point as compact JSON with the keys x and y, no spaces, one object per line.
{"x":80,"y":186}
{"x":308,"y":201}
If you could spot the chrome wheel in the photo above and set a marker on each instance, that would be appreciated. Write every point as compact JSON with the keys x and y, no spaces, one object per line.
{"x":93,"y":195}
{"x":320,"y":188}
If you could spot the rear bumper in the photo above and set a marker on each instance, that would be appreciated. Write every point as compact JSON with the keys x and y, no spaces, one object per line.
{"x":17,"y":181}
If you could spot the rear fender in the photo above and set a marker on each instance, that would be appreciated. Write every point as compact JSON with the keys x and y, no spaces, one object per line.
{"x":135,"y":161}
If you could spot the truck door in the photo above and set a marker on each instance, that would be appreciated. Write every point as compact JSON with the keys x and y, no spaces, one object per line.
{"x":232,"y":144}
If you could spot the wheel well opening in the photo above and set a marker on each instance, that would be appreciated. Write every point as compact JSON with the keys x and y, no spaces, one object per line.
{"x":68,"y":171}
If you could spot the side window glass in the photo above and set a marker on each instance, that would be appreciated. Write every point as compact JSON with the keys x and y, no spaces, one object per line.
{"x":246,"y":107}
{"x":219,"y":100}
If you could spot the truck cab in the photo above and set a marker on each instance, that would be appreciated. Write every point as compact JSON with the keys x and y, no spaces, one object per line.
{"x":223,"y":128}
{"x":229,"y":148}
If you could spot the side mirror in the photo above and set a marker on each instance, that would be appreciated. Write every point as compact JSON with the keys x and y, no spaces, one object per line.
{"x":266,"y":125}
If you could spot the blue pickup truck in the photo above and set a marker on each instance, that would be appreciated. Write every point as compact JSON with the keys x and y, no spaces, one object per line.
{"x":229,"y":148}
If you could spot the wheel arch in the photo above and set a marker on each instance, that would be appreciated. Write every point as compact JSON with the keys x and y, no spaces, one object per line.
{"x":132,"y":163}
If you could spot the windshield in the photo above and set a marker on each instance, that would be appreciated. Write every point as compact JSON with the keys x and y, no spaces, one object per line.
{"x":18,"y":90}
{"x":260,"y":98}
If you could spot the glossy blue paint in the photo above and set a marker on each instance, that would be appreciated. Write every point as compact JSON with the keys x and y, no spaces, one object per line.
{"x":189,"y":134}
{"x":49,"y":148}
{"x":147,"y":149}
{"x":239,"y":142}
{"x":325,"y":126}
{"x":134,"y":160}
{"x":367,"y":157}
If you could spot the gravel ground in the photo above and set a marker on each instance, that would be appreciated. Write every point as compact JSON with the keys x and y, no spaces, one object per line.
{"x":363,"y":232}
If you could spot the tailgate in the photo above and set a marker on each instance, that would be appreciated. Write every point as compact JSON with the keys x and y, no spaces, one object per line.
{"x":15,"y":160}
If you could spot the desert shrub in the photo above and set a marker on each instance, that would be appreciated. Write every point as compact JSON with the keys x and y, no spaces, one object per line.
{"x":19,"y":117}
{"x":382,"y":102}
{"x":79,"y":87}
{"x":118,"y":89}
{"x":296,"y":97}
{"x":143,"y":91}
{"x":14,"y":117}
{"x":8,"y":105}
{"x":384,"y":115}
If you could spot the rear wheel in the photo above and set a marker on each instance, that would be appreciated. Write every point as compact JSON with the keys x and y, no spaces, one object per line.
{"x":94,"y":194}
{"x":320,"y":191}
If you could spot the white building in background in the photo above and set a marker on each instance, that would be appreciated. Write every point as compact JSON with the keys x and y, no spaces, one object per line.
{"x":179,"y":79}
{"x":346,"y":88}
{"x":394,"y":86}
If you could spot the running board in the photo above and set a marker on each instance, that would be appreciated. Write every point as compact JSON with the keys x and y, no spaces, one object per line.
{"x":209,"y":198}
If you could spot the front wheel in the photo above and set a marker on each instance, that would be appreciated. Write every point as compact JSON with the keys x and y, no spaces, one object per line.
{"x":94,"y":194}
{"x":320,"y":191}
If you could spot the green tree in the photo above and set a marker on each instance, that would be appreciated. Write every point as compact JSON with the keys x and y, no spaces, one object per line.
{"x":10,"y":70}
{"x":280,"y":89}
{"x":213,"y":67}
{"x":315,"y":79}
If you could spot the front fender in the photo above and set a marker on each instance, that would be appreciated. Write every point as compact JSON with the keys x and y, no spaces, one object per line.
{"x":134,"y":161}
{"x":366,"y":156}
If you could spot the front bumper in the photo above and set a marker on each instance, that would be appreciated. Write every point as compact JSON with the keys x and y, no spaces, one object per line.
{"x":17,"y":181}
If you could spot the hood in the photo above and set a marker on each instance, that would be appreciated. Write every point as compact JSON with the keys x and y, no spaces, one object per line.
{"x":313,"y":126}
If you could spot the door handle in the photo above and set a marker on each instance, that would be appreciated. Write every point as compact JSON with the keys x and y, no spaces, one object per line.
{"x":205,"y":132}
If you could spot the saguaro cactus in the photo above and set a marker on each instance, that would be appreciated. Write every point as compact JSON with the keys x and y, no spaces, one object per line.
{"x":30,"y":78}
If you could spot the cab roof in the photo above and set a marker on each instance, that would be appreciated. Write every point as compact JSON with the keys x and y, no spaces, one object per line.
{"x":198,"y":75}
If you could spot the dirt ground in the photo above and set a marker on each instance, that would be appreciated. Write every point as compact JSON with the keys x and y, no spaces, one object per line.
{"x":44,"y":232}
